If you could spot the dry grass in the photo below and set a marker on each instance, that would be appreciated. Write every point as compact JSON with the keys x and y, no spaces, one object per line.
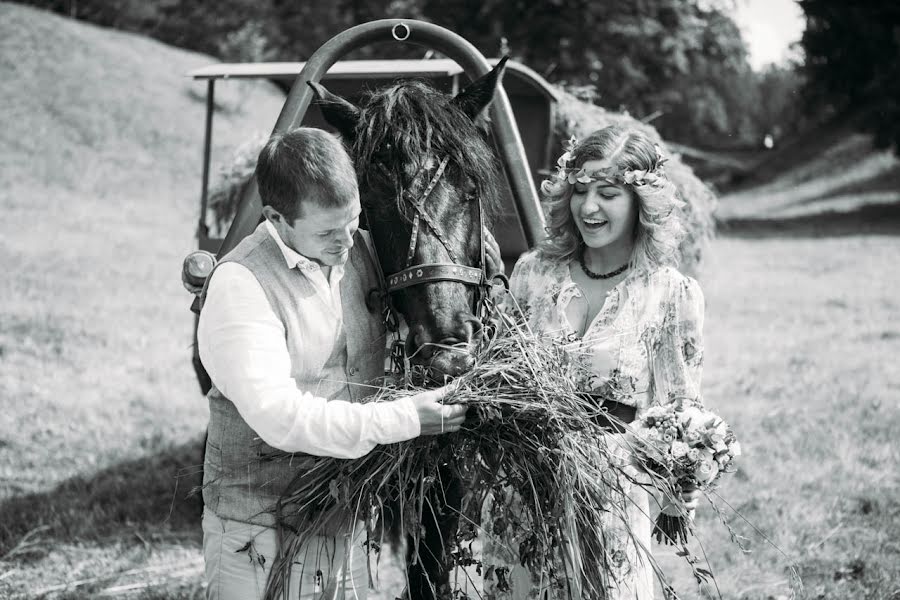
{"x":529,"y":434}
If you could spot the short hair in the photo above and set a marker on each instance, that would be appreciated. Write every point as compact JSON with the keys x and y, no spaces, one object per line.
{"x":659,"y":228}
{"x":304,"y":165}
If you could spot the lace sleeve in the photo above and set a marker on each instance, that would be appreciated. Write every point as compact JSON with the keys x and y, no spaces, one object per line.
{"x":676,"y":353}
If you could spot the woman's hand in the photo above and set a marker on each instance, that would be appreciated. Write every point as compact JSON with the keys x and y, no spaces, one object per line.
{"x":492,"y":255}
{"x":690,"y":497}
{"x":686,"y":503}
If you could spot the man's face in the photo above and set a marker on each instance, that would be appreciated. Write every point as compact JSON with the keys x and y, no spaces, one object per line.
{"x":321,"y":234}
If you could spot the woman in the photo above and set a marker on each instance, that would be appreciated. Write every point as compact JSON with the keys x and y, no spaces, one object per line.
{"x":605,"y":282}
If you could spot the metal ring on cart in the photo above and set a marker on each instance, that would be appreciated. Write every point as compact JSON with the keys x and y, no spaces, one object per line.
{"x":400,"y":31}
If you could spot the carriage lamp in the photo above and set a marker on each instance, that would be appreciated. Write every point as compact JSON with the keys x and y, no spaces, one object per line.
{"x":196,"y":268}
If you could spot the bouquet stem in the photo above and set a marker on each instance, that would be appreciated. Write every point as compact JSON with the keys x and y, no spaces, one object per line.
{"x":671,"y":530}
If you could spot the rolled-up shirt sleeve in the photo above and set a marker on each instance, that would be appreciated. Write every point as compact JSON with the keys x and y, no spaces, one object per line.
{"x":242,"y":345}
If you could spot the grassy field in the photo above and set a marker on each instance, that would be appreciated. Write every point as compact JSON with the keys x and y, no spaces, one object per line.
{"x":800,"y":340}
{"x":101,"y":423}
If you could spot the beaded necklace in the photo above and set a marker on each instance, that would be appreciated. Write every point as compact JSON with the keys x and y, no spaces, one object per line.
{"x":594,"y":275}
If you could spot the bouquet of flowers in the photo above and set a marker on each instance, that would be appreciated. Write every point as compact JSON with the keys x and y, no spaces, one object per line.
{"x":689,"y":447}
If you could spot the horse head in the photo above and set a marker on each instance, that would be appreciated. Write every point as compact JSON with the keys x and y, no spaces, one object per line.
{"x":428,"y":184}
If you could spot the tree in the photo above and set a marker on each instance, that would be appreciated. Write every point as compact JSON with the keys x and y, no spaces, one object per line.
{"x":682,"y":62}
{"x":679,"y":59}
{"x":780,"y":110}
{"x":853,"y":62}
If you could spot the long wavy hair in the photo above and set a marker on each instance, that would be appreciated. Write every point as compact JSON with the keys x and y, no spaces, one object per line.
{"x":659,"y":228}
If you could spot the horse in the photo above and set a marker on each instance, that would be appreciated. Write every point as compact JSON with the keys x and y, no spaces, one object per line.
{"x":428,"y":184}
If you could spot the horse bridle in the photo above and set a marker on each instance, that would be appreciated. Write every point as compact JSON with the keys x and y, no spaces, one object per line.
{"x":412,"y":275}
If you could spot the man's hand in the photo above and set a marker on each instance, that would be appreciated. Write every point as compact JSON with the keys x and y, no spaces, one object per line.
{"x":435,"y":417}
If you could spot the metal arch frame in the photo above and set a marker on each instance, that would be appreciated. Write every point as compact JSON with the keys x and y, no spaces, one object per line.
{"x":506,"y":134}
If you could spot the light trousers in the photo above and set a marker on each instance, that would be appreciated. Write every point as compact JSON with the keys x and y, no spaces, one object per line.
{"x":239,"y":556}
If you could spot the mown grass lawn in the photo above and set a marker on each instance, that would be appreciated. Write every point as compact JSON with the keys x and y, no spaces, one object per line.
{"x":801,"y":336}
{"x":801,"y":340}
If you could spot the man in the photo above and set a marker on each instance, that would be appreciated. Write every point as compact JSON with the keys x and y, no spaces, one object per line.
{"x":290,"y":345}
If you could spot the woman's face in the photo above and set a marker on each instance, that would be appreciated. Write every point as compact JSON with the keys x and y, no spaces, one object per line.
{"x":604,"y":213}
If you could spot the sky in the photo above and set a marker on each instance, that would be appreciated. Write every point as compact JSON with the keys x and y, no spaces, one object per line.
{"x":769,"y":27}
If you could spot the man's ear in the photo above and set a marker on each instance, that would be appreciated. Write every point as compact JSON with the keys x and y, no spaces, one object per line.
{"x":272,"y":215}
{"x":338,"y":112}
{"x":478,"y":94}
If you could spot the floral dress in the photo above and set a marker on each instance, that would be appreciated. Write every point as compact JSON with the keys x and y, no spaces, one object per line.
{"x":642,"y":348}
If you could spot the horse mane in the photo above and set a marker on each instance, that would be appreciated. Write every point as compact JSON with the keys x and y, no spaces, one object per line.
{"x":410,"y":121}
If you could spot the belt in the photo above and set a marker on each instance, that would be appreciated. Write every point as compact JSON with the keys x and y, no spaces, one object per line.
{"x":613,"y":414}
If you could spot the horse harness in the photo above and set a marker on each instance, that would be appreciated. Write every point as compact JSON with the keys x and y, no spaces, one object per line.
{"x":412,"y":275}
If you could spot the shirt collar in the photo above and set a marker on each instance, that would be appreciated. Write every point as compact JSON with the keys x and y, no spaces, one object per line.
{"x":294,"y":259}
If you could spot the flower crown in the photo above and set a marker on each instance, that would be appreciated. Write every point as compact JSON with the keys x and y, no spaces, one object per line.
{"x":566,"y":175}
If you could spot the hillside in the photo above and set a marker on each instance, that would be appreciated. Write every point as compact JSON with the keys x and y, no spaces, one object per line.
{"x":101,"y":162}
{"x":831,"y":180}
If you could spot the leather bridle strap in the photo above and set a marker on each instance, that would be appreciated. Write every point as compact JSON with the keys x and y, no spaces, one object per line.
{"x":421,"y":215}
{"x":453,"y":271}
{"x":435,"y":272}
{"x":429,"y":273}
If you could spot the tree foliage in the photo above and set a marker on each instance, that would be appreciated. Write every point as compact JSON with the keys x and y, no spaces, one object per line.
{"x":778,"y":101}
{"x":676,"y":59}
{"x":680,"y":62}
{"x":853,"y":62}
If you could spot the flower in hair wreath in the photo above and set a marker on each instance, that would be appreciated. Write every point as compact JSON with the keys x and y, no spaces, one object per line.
{"x":566,"y":175}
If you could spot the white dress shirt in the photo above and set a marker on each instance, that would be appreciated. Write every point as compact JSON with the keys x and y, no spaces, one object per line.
{"x":242,"y":345}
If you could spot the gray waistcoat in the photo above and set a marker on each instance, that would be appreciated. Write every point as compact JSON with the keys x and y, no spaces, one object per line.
{"x":238,"y":482}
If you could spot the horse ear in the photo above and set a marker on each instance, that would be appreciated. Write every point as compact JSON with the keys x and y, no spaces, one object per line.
{"x":480,"y":92}
{"x":338,"y":112}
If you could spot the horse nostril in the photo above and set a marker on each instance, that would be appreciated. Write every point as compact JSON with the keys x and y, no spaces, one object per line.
{"x":471,"y":325}
{"x":418,"y":345}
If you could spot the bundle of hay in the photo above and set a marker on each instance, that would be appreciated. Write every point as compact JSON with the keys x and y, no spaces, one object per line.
{"x":225,"y":193}
{"x":529,"y":433}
